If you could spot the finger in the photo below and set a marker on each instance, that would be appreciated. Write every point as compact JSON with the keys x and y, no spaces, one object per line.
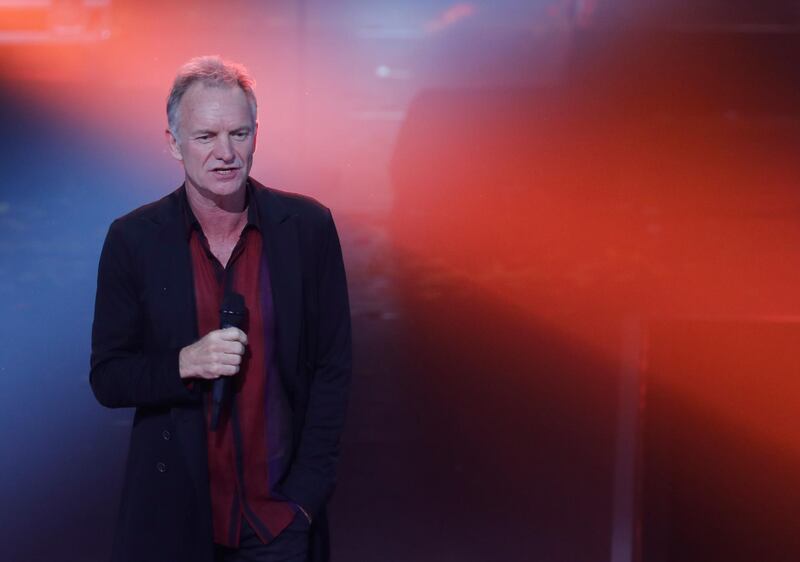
{"x":228,"y":370}
{"x":222,"y":370}
{"x":230,"y":359}
{"x":219,"y":358}
{"x":233,"y":334}
{"x":232,"y":347}
{"x":228,"y":334}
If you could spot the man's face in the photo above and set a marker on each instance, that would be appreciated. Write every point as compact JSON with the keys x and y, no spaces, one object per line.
{"x":216,"y":139}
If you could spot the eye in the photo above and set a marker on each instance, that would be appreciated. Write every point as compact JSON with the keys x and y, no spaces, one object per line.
{"x":240,"y":135}
{"x":203,"y":137}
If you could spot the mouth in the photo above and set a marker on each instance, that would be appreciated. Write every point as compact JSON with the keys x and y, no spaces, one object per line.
{"x":225,"y":171}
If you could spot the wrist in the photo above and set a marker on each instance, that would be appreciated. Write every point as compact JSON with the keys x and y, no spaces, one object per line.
{"x":183,"y":365}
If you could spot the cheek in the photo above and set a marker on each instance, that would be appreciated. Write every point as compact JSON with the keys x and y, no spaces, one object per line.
{"x":195,"y":157}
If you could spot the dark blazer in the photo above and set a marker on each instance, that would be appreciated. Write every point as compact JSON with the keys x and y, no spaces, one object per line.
{"x":145,"y":313}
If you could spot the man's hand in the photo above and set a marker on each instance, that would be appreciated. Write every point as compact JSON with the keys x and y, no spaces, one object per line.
{"x":217,"y":354}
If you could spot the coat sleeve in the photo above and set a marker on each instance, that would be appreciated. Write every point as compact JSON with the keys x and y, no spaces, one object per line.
{"x":312,"y":475}
{"x":122,"y":373}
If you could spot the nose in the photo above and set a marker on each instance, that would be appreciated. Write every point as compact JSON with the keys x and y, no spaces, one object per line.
{"x":223,"y":149}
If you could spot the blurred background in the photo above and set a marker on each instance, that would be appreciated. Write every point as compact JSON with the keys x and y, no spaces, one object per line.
{"x":571,"y":230}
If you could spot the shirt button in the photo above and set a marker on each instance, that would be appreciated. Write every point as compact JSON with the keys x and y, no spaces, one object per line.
{"x":161,"y":467}
{"x":166,"y":435}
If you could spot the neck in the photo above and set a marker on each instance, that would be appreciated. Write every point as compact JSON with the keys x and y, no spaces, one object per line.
{"x":220,"y":216}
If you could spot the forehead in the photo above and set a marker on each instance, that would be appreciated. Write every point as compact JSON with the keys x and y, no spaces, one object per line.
{"x":204,"y":105}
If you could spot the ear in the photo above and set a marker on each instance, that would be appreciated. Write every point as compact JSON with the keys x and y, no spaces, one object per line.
{"x":172,"y":143}
{"x":255,"y":137}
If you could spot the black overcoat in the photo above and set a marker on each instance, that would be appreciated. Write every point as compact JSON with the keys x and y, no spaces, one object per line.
{"x":145,"y":313}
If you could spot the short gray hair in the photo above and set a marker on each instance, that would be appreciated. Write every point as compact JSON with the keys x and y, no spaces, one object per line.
{"x":211,"y":71}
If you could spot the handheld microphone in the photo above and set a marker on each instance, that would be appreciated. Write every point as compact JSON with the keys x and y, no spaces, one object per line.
{"x":232,"y":315}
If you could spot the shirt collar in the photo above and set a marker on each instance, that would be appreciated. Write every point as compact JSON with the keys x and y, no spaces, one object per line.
{"x":253,"y":219}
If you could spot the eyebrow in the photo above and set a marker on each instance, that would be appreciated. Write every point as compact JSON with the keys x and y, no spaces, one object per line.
{"x":210,"y":132}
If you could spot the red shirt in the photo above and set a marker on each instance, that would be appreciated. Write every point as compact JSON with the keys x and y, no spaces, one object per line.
{"x":249,"y":452}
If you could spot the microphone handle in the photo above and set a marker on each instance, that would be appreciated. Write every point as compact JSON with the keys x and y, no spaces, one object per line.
{"x":218,"y":393}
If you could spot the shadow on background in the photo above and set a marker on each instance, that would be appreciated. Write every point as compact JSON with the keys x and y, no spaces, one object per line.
{"x":720,"y":450}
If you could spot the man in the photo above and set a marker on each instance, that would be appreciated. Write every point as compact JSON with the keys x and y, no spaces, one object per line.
{"x":256,"y":486}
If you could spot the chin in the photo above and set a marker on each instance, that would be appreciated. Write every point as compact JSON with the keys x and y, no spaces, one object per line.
{"x":213,"y":186}
{"x":226,"y":189}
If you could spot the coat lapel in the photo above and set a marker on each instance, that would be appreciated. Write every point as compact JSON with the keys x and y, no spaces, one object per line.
{"x":178,"y":281}
{"x":283,"y":257}
{"x":180,"y":313}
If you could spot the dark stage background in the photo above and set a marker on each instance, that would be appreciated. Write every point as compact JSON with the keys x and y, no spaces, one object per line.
{"x":572,"y":237}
